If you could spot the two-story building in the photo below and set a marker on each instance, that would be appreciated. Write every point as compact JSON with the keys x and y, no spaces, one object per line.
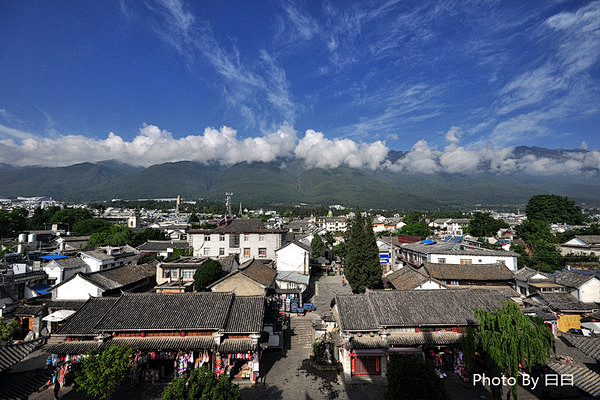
{"x":109,"y":257}
{"x":247,"y":238}
{"x":169,"y":333}
{"x":373,"y":325}
{"x":431,"y":251}
{"x":449,"y":226}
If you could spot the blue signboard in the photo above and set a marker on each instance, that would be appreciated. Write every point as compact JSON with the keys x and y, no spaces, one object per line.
{"x":384,"y":258}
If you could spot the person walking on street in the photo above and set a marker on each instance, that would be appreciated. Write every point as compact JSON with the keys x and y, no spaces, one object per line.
{"x":56,"y":390}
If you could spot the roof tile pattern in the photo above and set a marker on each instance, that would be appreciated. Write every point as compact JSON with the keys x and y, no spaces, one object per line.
{"x":166,"y":311}
{"x":83,"y":321}
{"x":380,"y":309}
{"x":469,"y":272}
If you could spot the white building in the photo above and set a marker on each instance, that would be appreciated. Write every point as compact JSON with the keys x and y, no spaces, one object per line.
{"x":449,"y":226}
{"x":584,"y":244}
{"x":332,"y":224}
{"x":109,"y":257}
{"x":583,"y":285}
{"x":455,"y":253}
{"x":61,"y":269}
{"x":293,"y":257}
{"x":248,"y":238}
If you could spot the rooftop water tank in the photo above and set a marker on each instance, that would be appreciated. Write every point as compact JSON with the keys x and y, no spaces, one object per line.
{"x":22,"y":237}
{"x":32,"y":238}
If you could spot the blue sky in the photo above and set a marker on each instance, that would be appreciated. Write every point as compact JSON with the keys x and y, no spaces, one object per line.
{"x":454,"y":83}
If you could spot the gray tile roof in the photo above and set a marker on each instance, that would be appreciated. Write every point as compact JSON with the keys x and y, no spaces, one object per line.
{"x":525,"y":274}
{"x":583,"y":378}
{"x":589,"y":239}
{"x":468,"y":272}
{"x":71,"y":262}
{"x":159,"y":343}
{"x":83,"y":321}
{"x":166,"y":311}
{"x":565,"y":302}
{"x":574,"y":279}
{"x":405,"y":340}
{"x":116,"y":278}
{"x":395,"y":308}
{"x":256,"y":270}
{"x":589,"y":346}
{"x":407,"y":278}
{"x":163,"y":245}
{"x":246,"y":314}
{"x":11,"y":354}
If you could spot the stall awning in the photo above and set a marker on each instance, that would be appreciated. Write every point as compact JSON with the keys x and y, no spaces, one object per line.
{"x":369,"y":352}
{"x":58,"y":316}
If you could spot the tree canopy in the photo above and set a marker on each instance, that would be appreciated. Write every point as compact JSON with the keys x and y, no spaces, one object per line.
{"x":202,"y":385}
{"x":116,"y":235}
{"x":483,"y":224}
{"x":208,"y":272}
{"x":101,"y":373}
{"x":508,"y":338}
{"x":317,"y":247}
{"x":410,"y":377}
{"x":415,"y":229}
{"x":554,"y":209}
{"x":362,"y":267}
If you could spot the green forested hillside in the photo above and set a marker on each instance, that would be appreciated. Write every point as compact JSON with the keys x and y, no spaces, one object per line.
{"x":288,"y":182}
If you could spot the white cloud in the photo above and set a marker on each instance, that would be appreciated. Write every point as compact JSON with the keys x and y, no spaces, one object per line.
{"x":318,"y":151}
{"x":153,"y":145}
{"x":453,"y":135}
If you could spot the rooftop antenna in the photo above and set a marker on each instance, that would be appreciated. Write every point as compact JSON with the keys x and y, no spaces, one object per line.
{"x":228,"y":202}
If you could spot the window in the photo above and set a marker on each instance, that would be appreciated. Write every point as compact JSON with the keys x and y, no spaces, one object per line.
{"x":234,"y":240}
{"x":166,"y":273}
{"x":221,"y":237}
{"x":246,"y":237}
{"x":466,"y":261}
{"x":246,"y":251}
{"x":262,"y":251}
{"x":501,"y":262}
{"x":187,"y":273}
{"x":51,"y":281}
{"x":174,"y":273}
{"x":221,"y":251}
{"x":441,"y":260}
{"x":207,"y":251}
{"x":261,"y":238}
{"x":207,"y":238}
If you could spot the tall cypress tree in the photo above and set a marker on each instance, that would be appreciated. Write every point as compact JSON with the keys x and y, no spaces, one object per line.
{"x":362,"y":266}
{"x":372,"y":266}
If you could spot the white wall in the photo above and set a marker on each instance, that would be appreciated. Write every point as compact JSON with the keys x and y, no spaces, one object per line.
{"x":509,"y":261}
{"x":76,"y":289}
{"x":590,"y":291}
{"x":272,"y":241}
{"x":293,"y":258}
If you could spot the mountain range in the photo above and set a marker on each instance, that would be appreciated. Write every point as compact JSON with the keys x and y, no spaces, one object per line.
{"x":289,"y":182}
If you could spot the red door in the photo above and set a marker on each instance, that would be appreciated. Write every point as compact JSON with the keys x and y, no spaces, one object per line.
{"x":367,"y":366}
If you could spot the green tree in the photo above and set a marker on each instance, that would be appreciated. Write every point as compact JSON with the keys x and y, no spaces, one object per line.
{"x":8,"y":329}
{"x":553,"y":208}
{"x":508,"y":338}
{"x":208,"y":272}
{"x":362,"y":267}
{"x":101,"y":373}
{"x":410,"y":377}
{"x":90,"y":226}
{"x":483,"y":224}
{"x":71,"y":216}
{"x":202,"y":385}
{"x":317,"y":247}
{"x":13,"y":222}
{"x":148,"y":234}
{"x":117,"y":235}
{"x":416,"y":229}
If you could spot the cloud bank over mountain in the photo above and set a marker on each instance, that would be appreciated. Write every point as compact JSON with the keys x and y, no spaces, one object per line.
{"x":153,"y":145}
